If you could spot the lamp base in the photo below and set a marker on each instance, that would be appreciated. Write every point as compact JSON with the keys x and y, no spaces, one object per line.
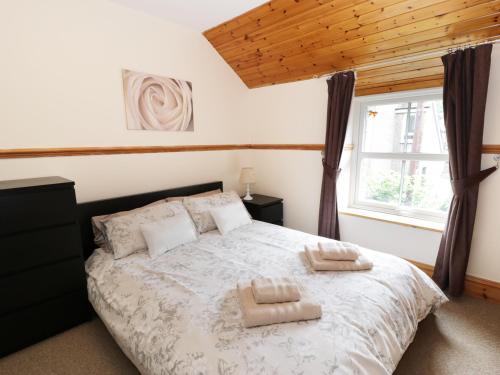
{"x":248,"y":197}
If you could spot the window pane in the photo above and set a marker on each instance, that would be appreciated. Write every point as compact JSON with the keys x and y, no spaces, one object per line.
{"x":426,"y":185}
{"x":380,"y":181}
{"x":385,"y":127}
{"x":426,"y":132}
{"x":415,"y":126}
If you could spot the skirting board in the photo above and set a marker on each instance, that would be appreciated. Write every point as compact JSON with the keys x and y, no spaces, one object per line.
{"x":474,"y":286}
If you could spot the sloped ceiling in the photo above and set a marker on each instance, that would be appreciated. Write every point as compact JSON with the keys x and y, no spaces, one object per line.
{"x":290,"y":40}
{"x":196,"y":14}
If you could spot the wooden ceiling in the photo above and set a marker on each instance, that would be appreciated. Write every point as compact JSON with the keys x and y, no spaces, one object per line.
{"x":290,"y":40}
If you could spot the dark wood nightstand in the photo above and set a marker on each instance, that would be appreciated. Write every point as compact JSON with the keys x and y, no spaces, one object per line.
{"x":264,"y":208}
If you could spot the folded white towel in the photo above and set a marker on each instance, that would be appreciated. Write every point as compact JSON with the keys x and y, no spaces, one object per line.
{"x":338,"y":250}
{"x":255,"y":314}
{"x":320,"y":264}
{"x":275,"y":290}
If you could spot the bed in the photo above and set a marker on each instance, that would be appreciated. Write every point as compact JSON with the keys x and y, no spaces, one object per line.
{"x":180,"y":314}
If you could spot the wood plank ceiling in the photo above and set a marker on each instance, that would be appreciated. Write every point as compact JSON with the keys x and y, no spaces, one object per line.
{"x":290,"y":40}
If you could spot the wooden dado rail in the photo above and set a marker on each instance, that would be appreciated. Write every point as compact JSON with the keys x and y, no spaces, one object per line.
{"x":80,"y":151}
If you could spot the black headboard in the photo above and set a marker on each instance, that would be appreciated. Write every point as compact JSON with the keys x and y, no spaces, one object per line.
{"x":107,"y":206}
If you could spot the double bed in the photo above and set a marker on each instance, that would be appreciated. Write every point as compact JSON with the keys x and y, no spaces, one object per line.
{"x":180,"y":313}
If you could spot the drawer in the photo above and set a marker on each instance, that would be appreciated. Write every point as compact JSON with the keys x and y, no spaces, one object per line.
{"x":34,"y":248}
{"x":271,"y":213}
{"x":36,"y":209}
{"x":36,"y":285}
{"x":27,"y":326}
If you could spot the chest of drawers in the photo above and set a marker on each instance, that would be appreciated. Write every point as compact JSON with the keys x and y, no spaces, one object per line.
{"x":42,"y":276}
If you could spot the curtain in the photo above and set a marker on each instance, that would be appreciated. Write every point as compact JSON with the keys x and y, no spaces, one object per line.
{"x":466,"y":74}
{"x":340,"y":89}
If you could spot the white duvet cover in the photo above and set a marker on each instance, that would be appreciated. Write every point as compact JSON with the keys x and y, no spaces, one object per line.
{"x":180,"y":314}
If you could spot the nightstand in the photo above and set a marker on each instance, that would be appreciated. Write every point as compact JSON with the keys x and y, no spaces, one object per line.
{"x":264,"y":208}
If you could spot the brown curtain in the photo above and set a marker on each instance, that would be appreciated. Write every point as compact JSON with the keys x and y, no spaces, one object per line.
{"x":340,"y":88}
{"x":466,"y":76}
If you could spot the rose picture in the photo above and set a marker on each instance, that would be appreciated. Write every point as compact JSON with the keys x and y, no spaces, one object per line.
{"x":157,"y":103}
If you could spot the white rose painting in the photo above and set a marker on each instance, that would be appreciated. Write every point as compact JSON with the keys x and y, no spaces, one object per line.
{"x":157,"y":103}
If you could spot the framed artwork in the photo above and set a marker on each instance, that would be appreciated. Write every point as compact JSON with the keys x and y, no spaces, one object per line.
{"x":157,"y":103}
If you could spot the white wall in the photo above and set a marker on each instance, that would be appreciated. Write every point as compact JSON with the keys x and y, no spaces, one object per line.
{"x":297,"y":113}
{"x":290,"y":113}
{"x":60,"y":74}
{"x":485,"y":256}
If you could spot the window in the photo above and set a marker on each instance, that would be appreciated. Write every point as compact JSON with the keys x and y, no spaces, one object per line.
{"x":401,"y":161}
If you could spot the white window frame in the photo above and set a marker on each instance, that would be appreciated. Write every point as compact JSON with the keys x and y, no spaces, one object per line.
{"x":359,"y":124}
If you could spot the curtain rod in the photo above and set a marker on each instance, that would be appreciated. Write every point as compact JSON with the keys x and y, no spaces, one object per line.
{"x":410,"y":58}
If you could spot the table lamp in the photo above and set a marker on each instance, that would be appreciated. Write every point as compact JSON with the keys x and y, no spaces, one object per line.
{"x":247,"y":177}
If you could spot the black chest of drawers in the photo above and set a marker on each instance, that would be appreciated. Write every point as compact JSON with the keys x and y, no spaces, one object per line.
{"x":42,"y":276}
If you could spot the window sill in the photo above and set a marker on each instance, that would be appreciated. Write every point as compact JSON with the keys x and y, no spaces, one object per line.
{"x":394,"y":219}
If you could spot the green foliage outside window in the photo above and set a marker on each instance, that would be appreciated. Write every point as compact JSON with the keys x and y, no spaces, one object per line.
{"x":416,"y":191}
{"x":384,"y":187}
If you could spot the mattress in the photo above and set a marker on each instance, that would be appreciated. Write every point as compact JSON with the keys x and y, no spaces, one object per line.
{"x":180,"y":313}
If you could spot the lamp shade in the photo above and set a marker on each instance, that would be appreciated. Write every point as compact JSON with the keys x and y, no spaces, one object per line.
{"x":247,"y":176}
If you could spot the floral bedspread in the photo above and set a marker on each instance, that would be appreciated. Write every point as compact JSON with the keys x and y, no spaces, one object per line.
{"x":180,"y":314}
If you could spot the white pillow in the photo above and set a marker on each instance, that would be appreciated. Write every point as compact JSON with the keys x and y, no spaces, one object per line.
{"x":123,"y":233}
{"x":231,"y":216}
{"x":162,"y":236}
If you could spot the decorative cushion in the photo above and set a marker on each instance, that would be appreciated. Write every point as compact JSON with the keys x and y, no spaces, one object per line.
{"x":230,"y":217}
{"x":166,"y":234}
{"x":123,"y":233}
{"x":98,"y":224}
{"x":199,"y":208}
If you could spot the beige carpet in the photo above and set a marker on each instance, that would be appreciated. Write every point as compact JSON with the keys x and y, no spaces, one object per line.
{"x":463,"y":338}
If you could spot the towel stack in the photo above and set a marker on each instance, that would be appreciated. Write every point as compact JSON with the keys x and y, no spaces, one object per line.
{"x":337,"y":256}
{"x":275,"y":300}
